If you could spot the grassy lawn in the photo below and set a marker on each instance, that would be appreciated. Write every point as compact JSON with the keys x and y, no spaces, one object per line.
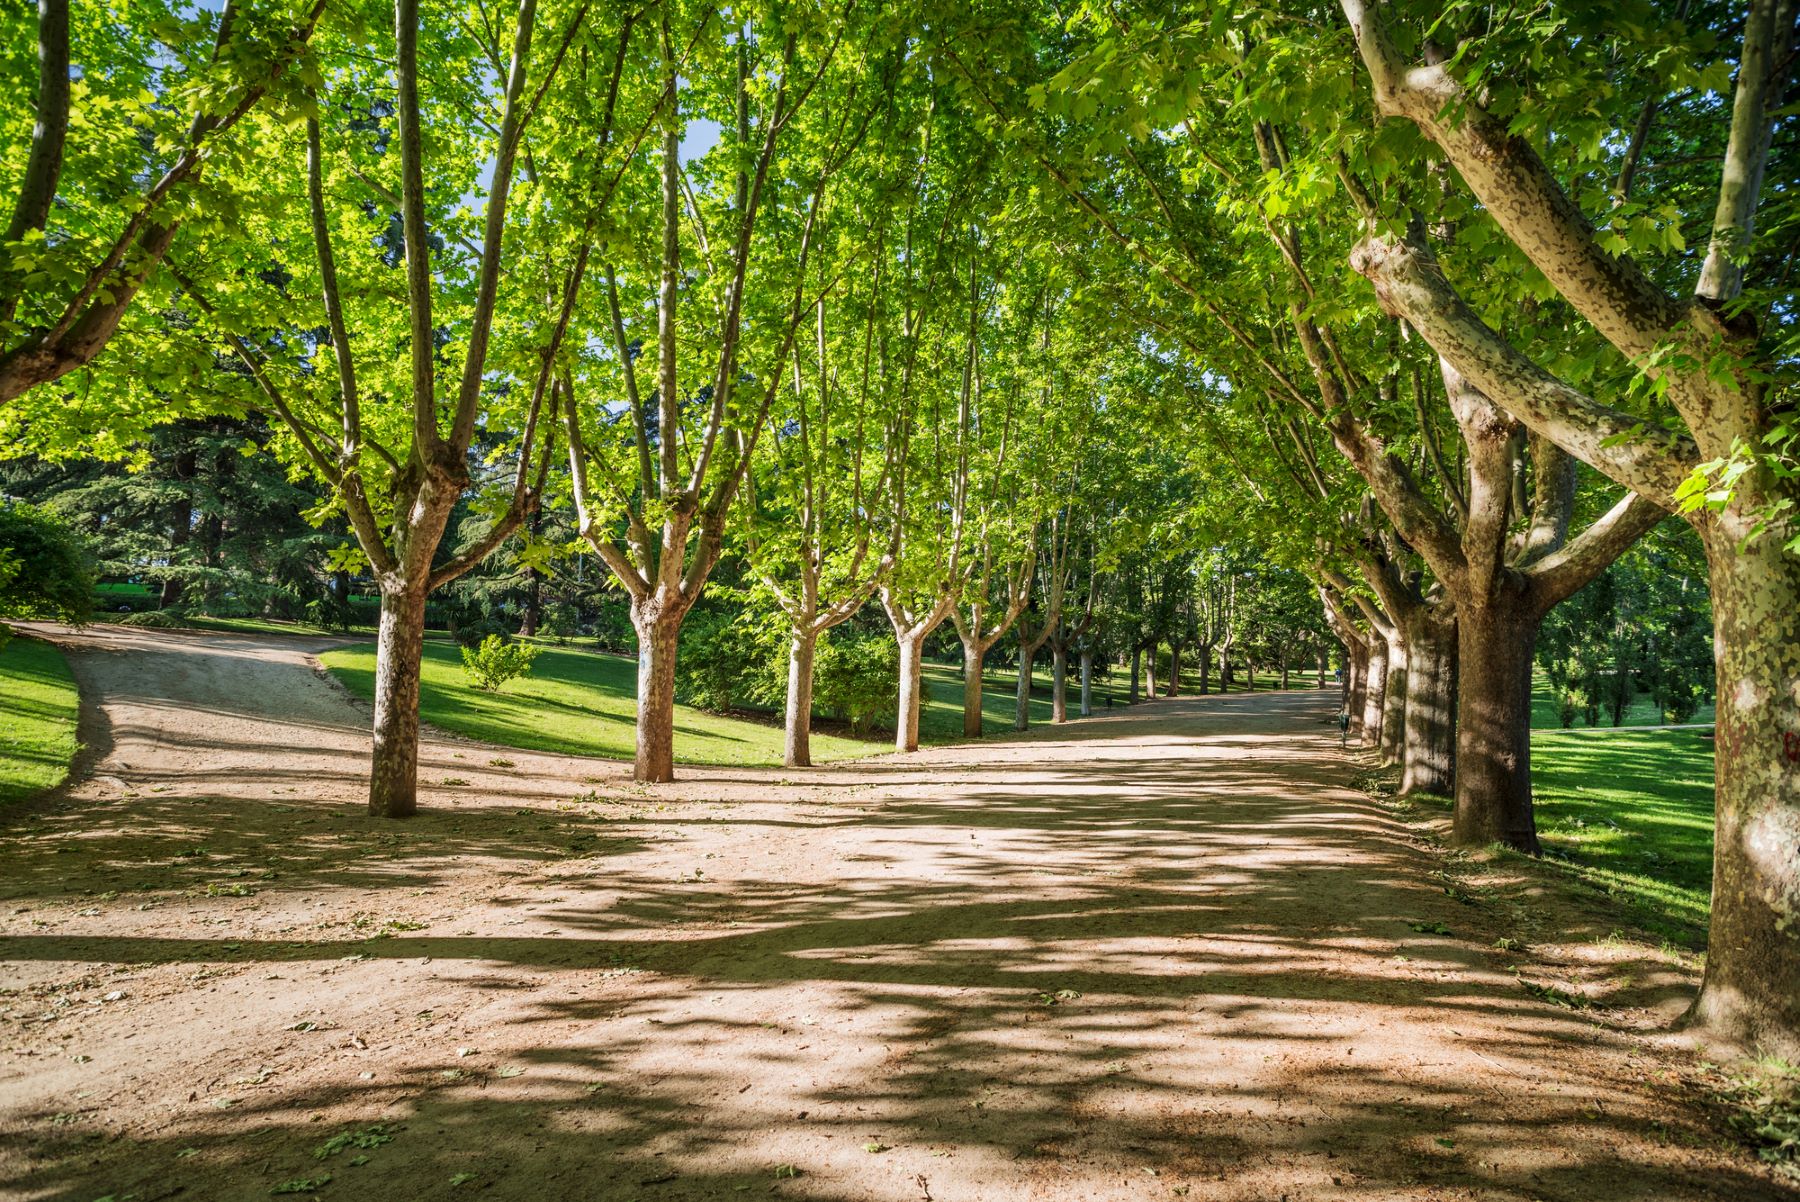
{"x":584,"y":703}
{"x":577,"y":703}
{"x":37,"y":724}
{"x":1631,"y":812}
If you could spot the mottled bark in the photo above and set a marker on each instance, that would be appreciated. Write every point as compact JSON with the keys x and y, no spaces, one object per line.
{"x":1356,"y":688}
{"x":1493,"y":725}
{"x":1751,"y":991}
{"x":1391,"y":742}
{"x":1428,"y":762}
{"x":906,"y":724}
{"x":659,"y":633}
{"x":798,"y":749}
{"x":1373,"y":681}
{"x":1087,"y":683}
{"x":974,"y":655}
{"x":1022,"y":702}
{"x":399,"y":648}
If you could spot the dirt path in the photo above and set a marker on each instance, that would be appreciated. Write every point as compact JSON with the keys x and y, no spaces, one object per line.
{"x":1160,"y":954}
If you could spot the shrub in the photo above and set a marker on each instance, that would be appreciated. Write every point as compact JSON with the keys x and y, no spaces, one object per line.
{"x":477,"y":632}
{"x":157,"y":619}
{"x":44,"y":570}
{"x":722,"y":663}
{"x":496,"y":661}
{"x":854,"y":678}
{"x":561,"y":621}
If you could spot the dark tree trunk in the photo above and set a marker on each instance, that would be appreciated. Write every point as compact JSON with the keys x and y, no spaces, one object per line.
{"x":1495,"y":643}
{"x":1206,"y":654}
{"x":1356,"y":689}
{"x":1136,"y":673}
{"x":1022,"y":710}
{"x":1429,"y":760}
{"x":1392,"y":741}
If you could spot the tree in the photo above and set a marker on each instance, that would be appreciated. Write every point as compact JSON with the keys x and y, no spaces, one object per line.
{"x":1714,"y":440}
{"x":654,"y":478}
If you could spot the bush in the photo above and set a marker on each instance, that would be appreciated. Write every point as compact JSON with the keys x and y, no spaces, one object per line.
{"x":561,"y":621}
{"x":854,"y":678}
{"x":496,"y":661}
{"x":44,"y":570}
{"x":157,"y":619}
{"x":723,"y":662}
{"x":479,"y":631}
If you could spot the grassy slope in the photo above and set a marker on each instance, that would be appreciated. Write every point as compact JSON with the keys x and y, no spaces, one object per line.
{"x":1632,"y":810}
{"x":37,"y":723}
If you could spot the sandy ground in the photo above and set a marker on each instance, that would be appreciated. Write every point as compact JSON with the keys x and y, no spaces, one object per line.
{"x":1166,"y":953}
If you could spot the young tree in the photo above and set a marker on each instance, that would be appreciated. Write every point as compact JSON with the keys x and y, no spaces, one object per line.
{"x":654,"y":477}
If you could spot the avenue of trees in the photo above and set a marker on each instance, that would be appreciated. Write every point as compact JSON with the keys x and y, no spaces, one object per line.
{"x":1149,"y":339}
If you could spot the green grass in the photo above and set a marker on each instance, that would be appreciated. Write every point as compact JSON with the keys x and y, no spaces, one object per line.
{"x":1632,"y":812}
{"x":37,"y":724}
{"x":577,"y":703}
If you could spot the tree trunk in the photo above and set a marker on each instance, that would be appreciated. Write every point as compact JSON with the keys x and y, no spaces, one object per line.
{"x":1374,"y":684}
{"x":1284,"y":668}
{"x":1174,"y":669}
{"x":1495,"y":642}
{"x":798,"y":752}
{"x":1429,"y":760}
{"x":1150,"y":675}
{"x":1749,"y":993}
{"x":399,"y":648}
{"x":659,"y":632}
{"x":972,"y":673}
{"x":906,"y":723}
{"x":1392,"y":742}
{"x":1225,"y":670}
{"x":1059,"y":683}
{"x":1136,"y":674}
{"x":1087,"y":683}
{"x":1356,"y":688}
{"x":1206,"y":654}
{"x":1022,"y":714}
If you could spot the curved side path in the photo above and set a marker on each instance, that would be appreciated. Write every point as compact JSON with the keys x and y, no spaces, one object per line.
{"x":1165,"y":953}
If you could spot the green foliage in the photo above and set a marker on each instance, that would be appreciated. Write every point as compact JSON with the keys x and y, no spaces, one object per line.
{"x":853,"y":678}
{"x":730,"y":657}
{"x":1644,"y":626}
{"x":44,"y":567}
{"x":495,"y":661}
